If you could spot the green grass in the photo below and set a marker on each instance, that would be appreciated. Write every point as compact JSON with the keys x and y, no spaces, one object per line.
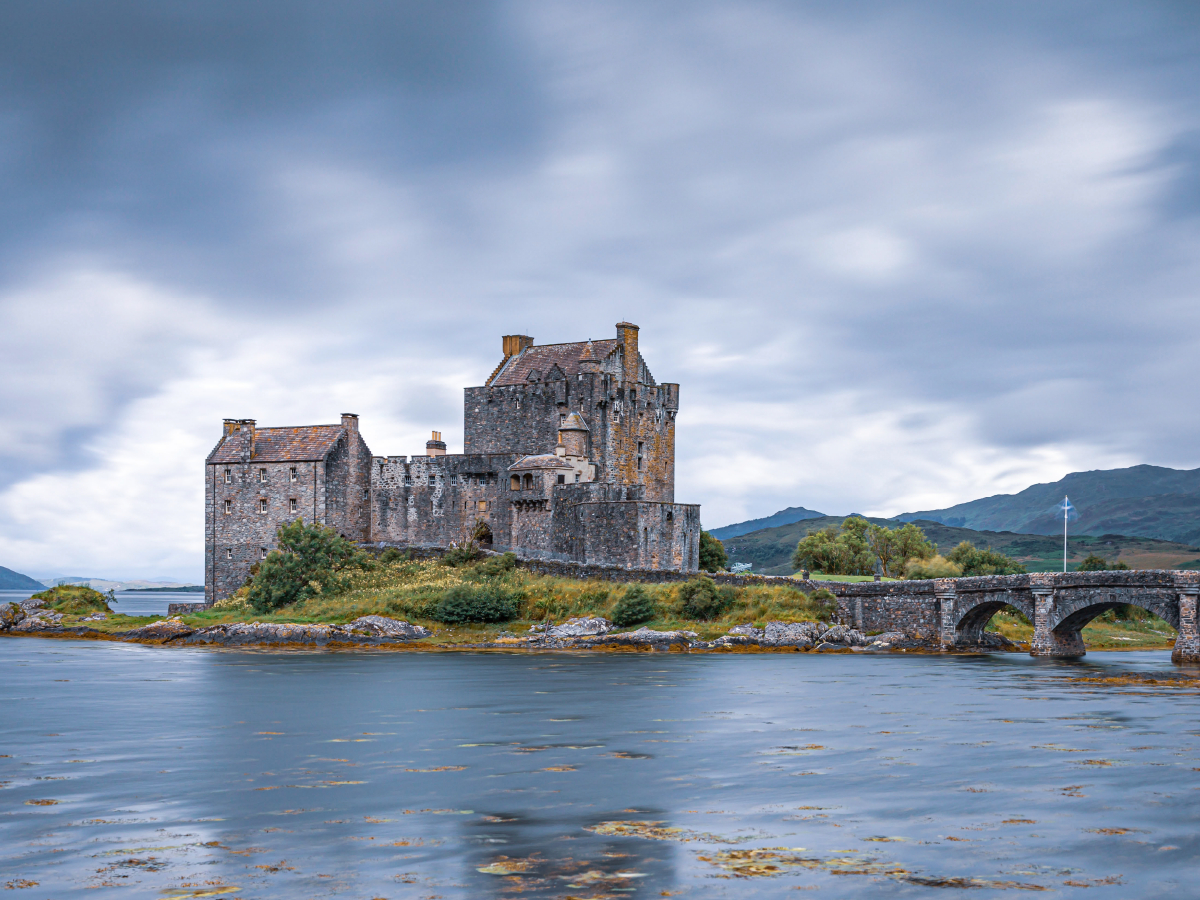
{"x":1142,"y":631}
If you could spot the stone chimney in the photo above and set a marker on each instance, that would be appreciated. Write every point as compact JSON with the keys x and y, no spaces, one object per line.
{"x":350,"y":422}
{"x":435,"y":446}
{"x":588,"y":362}
{"x":229,"y":426}
{"x":516,"y":343}
{"x":627,"y":334}
{"x":246,"y":427}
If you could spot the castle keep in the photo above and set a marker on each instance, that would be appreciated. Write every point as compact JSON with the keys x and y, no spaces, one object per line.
{"x":569,"y":455}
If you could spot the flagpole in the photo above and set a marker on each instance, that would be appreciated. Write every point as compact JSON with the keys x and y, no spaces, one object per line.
{"x":1066,"y":512}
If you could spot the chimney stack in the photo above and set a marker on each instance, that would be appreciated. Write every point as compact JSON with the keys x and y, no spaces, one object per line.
{"x":350,"y":422}
{"x":435,"y":446}
{"x":627,"y":334}
{"x":514,"y":344}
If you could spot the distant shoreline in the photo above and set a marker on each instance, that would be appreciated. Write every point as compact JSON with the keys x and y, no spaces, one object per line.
{"x":186,"y":589}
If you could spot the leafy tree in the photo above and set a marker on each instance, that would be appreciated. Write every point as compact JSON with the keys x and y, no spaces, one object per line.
{"x":712,"y":553}
{"x":894,"y":547}
{"x":933,"y":567}
{"x":983,"y":562}
{"x":700,"y":598}
{"x":836,"y":551}
{"x":489,"y":602}
{"x":1094,"y":563}
{"x":307,"y":563}
{"x":634,"y":607}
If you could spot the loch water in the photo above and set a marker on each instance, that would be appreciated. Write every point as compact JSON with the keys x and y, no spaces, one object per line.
{"x":136,"y":771}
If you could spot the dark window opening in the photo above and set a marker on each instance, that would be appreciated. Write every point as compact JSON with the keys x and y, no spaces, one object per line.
{"x":515,"y":482}
{"x":528,"y":482}
{"x":562,"y":479}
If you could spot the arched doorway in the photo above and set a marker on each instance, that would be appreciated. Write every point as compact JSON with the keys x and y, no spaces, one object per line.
{"x":482,"y":535}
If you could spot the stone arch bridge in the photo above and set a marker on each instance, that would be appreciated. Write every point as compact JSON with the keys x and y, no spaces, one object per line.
{"x":954,"y":611}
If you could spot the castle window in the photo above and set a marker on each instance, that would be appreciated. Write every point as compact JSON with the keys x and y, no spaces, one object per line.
{"x":228,"y":507}
{"x":262,"y":475}
{"x":262,"y":553}
{"x":577,"y":478}
{"x":229,"y":553}
{"x":292,"y":504}
{"x":528,"y":482}
{"x":515,"y":482}
{"x":562,"y":479}
{"x":228,"y":479}
{"x":481,"y":505}
{"x":292,"y":473}
{"x":262,"y":504}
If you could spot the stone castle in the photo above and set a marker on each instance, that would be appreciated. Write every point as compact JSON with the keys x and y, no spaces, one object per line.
{"x":569,"y":455}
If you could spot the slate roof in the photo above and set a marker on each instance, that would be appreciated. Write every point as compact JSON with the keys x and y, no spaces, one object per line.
{"x":301,"y":444}
{"x":542,"y":359}
{"x":538,"y":461}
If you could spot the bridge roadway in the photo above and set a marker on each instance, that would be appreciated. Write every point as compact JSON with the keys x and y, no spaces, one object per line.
{"x":954,"y":611}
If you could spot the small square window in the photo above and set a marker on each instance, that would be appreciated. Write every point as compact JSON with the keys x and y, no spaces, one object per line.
{"x":292,"y":504}
{"x":263,"y":553}
{"x":229,"y":553}
{"x":228,"y":507}
{"x":577,"y":478}
{"x":262,"y":504}
{"x":292,"y":473}
{"x":562,"y":479}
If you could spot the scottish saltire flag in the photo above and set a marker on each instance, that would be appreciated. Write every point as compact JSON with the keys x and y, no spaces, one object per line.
{"x":1068,"y":511}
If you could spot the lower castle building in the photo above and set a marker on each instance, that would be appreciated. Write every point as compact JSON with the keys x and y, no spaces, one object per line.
{"x":569,"y":455}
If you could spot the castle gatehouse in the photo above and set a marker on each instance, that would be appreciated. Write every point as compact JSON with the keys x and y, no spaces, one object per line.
{"x":569,"y":454}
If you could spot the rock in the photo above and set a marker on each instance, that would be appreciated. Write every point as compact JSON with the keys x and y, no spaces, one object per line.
{"x":34,"y":624}
{"x":825,"y":645}
{"x":996,"y":641}
{"x":888,"y":637}
{"x":161,"y":631}
{"x":654,"y":638}
{"x":857,"y":638}
{"x":586,"y":626}
{"x":748,"y":630}
{"x":10,"y":615}
{"x":791,"y":634}
{"x":382,"y":626}
{"x":31,"y":604}
{"x":836,"y":635}
{"x":95,"y":617}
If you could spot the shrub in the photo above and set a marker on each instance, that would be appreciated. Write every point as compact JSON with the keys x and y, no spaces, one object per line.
{"x":391,"y":556}
{"x":1094,"y":563}
{"x":634,"y":607}
{"x":75,"y":599}
{"x":837,"y":551}
{"x":823,"y":603}
{"x":495,"y":566}
{"x":307,"y":563}
{"x":984,"y":562}
{"x":701,"y":599}
{"x":476,"y":603}
{"x":462,"y":555}
{"x":934,"y":567}
{"x":712,"y":553}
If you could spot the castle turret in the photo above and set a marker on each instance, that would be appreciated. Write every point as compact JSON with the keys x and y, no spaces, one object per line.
{"x":573,"y":435}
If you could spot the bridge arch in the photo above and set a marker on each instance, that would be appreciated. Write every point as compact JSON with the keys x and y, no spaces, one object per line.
{"x":1071,"y":614}
{"x":972,"y":613}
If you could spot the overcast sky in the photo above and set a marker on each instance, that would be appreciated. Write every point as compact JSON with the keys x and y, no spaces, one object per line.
{"x":897,"y":255}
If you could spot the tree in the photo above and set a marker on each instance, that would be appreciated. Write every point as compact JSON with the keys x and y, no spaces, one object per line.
{"x":634,"y":607}
{"x":307,"y":563}
{"x":983,"y":562}
{"x":856,"y":547}
{"x":1094,"y":563}
{"x":712,"y":553}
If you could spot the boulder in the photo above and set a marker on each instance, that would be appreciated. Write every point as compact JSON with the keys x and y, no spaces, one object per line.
{"x":791,"y":634}
{"x":836,"y":635}
{"x":10,"y":615}
{"x":888,"y":638}
{"x":160,"y":632}
{"x":382,"y":626}
{"x":31,"y":624}
{"x":585,"y":626}
{"x":747,"y":631}
{"x":653,"y":638}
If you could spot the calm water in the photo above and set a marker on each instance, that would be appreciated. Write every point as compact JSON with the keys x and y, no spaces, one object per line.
{"x":192,"y":772}
{"x":137,"y":603}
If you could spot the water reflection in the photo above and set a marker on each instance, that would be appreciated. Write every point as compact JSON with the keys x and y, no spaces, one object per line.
{"x":196,"y":772}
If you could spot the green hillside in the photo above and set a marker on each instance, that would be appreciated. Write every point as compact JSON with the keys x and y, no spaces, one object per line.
{"x":770,"y":549}
{"x":1143,"y":501}
{"x":15,"y":581}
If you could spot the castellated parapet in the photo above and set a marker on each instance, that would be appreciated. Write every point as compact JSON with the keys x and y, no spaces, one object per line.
{"x":569,"y":455}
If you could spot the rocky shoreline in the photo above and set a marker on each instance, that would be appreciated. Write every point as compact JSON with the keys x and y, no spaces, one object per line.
{"x":32,"y":619}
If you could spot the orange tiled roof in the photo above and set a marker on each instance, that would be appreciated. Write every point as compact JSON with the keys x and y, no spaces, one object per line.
{"x":542,"y":359}
{"x":303,"y":443}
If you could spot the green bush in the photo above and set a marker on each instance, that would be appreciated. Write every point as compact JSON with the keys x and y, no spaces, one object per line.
{"x":391,"y":555}
{"x":495,"y":566}
{"x":934,"y":567}
{"x":823,"y":603}
{"x":462,"y":555}
{"x":1094,"y":563}
{"x":307,"y":563}
{"x":701,"y":599}
{"x":476,"y":603}
{"x":634,"y":607}
{"x":984,"y":562}
{"x":712,"y":553}
{"x":75,"y":599}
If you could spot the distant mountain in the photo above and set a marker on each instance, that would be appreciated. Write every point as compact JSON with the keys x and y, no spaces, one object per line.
{"x":787,"y":516}
{"x":15,"y":581}
{"x":1141,"y":501}
{"x":107,"y":584}
{"x":770,"y":550}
